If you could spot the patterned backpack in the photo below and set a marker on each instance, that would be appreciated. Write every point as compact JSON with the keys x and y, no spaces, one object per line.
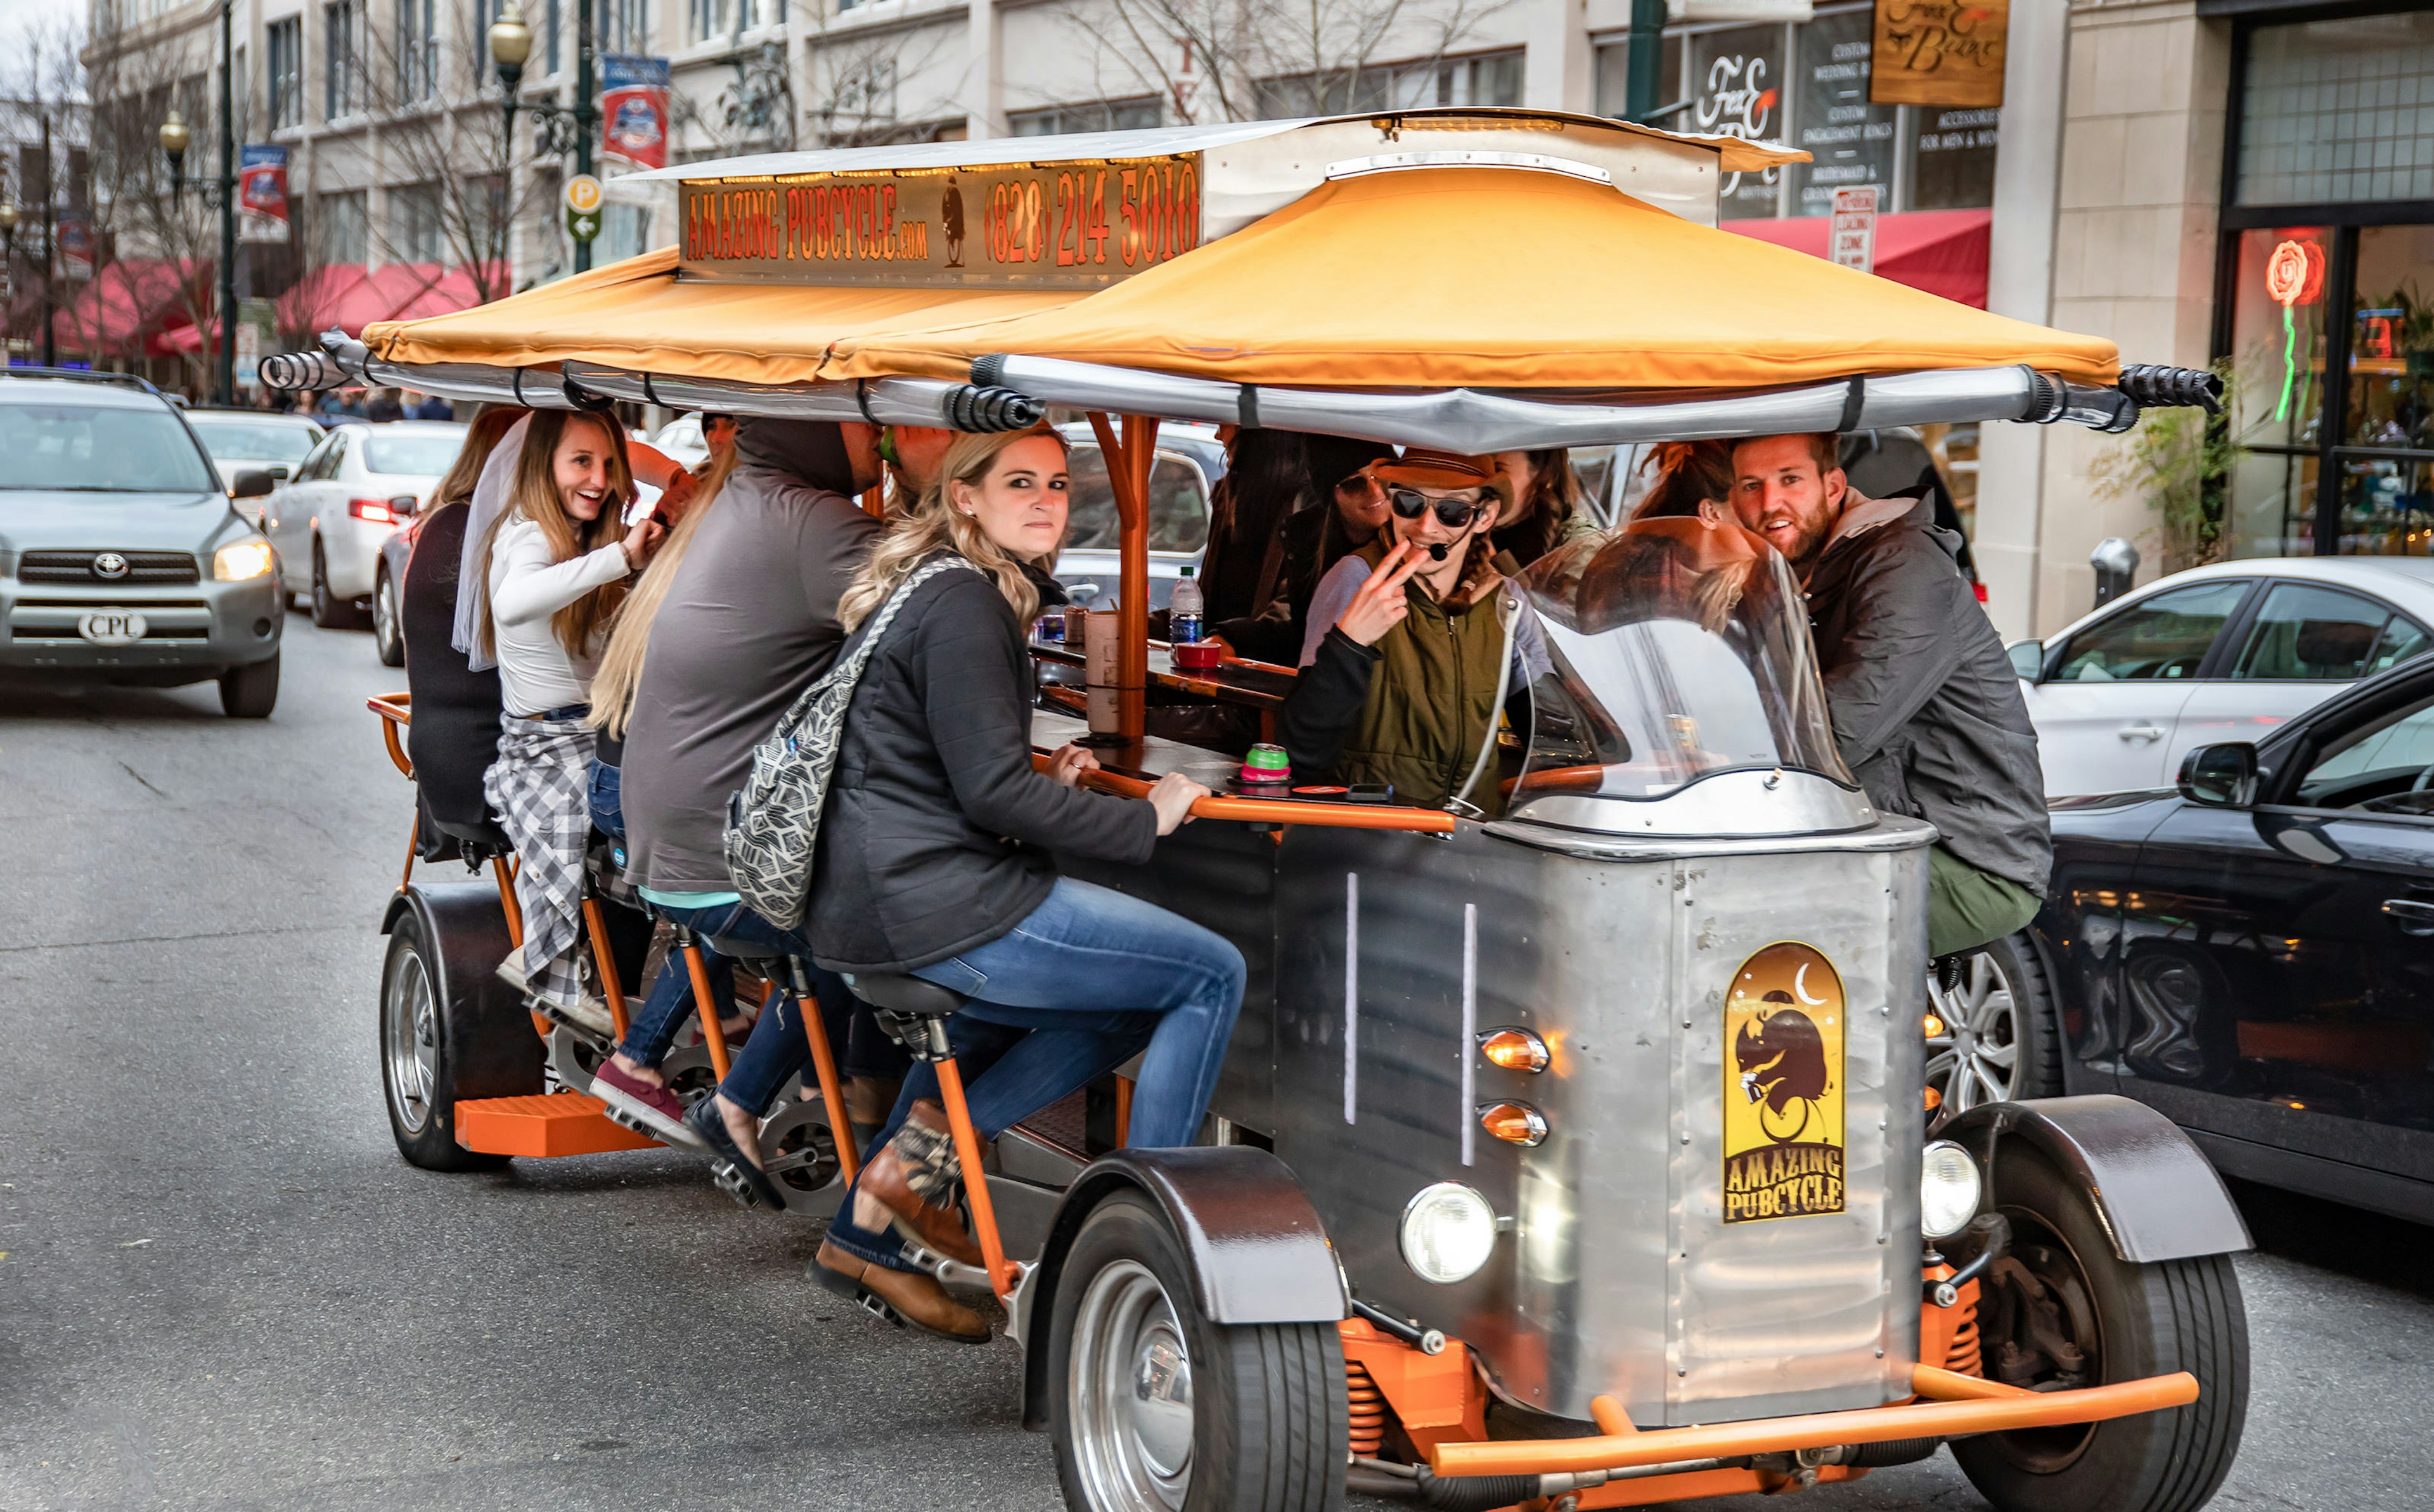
{"x":773,"y":821}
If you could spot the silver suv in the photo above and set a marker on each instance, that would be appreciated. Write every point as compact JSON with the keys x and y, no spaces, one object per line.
{"x":122,"y":559}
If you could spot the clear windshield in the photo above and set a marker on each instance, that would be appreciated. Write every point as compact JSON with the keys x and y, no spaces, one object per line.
{"x":1678,"y":649}
{"x":99,"y":448}
{"x":255,"y":440}
{"x":420,"y":452}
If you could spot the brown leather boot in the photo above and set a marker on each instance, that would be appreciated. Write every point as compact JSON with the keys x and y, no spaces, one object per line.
{"x":918,"y":1300}
{"x":914,"y":1178}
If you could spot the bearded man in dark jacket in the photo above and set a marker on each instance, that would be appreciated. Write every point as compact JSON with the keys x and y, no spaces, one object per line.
{"x":1925,"y":708}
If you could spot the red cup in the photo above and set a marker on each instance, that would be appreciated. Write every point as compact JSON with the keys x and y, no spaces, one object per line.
{"x":1197,"y":655}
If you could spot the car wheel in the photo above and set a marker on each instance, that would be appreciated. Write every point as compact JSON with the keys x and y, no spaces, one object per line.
{"x":251,"y":692}
{"x":1994,"y":1037}
{"x":419,"y":1056}
{"x":2060,"y":1310}
{"x":1153,"y":1406}
{"x":386,"y":637}
{"x":329,"y":612}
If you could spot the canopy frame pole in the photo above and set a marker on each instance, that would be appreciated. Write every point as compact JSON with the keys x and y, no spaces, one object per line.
{"x":1128,"y":468}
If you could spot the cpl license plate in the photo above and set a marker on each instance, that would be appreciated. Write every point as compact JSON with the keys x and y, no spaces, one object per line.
{"x":112,"y":628}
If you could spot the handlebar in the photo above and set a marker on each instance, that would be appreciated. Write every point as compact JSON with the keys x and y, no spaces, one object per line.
{"x":396,"y":711}
{"x":1276,"y":811}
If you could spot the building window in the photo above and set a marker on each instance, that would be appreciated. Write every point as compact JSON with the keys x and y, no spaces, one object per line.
{"x":2335,"y":111}
{"x":1613,"y":82}
{"x":1850,"y":141}
{"x":415,"y":232}
{"x":342,"y":35}
{"x":1952,"y":158}
{"x":624,"y":231}
{"x":549,"y":63}
{"x":418,"y":49}
{"x":1735,"y":90}
{"x":1098,"y":115}
{"x":1487,"y":78}
{"x":342,"y":229}
{"x":283,"y":42}
{"x":624,"y":26}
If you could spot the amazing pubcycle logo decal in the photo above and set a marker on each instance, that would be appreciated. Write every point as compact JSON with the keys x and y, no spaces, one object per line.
{"x":1783,"y":1086}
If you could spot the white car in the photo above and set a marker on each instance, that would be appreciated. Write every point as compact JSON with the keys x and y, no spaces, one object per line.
{"x":2229,"y":651}
{"x":242,"y":439}
{"x":328,"y":521}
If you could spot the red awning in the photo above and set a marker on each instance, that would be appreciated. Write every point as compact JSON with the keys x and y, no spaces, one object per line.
{"x":123,"y":307}
{"x":1939,"y":251}
{"x":350,"y":295}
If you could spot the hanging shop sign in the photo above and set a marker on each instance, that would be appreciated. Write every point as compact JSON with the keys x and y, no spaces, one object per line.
{"x":634,"y":108}
{"x":1070,"y":225}
{"x":261,"y":194}
{"x":1940,"y":52}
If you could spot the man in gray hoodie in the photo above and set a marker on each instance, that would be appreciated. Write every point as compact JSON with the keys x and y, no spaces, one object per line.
{"x":1925,"y":708}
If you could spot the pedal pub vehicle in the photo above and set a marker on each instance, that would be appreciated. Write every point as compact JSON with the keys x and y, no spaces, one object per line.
{"x":1573,"y":1148}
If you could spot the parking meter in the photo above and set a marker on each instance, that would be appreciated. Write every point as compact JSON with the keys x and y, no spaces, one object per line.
{"x":2115,"y":562}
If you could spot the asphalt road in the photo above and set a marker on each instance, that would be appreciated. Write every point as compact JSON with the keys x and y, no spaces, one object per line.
{"x":220,"y":1287}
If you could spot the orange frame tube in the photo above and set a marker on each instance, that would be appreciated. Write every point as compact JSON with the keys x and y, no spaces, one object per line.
{"x":967,"y":1153}
{"x":1954,"y":1405}
{"x":515,"y":913}
{"x":611,"y":986}
{"x":1128,"y":469}
{"x":815,"y":1029}
{"x":705,"y":1008}
{"x":1123,"y":1110}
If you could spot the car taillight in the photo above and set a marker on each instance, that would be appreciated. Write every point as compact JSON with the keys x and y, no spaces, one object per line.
{"x":382,"y":511}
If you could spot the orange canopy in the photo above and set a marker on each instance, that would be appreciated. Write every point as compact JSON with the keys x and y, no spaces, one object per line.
{"x":636,"y":314}
{"x":1496,"y":277}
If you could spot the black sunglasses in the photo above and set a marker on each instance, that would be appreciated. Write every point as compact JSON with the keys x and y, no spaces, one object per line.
{"x":1453,"y":514}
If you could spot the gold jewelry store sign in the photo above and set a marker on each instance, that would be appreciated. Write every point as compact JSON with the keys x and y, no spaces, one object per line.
{"x":1783,"y":1086}
{"x":1080,"y":226}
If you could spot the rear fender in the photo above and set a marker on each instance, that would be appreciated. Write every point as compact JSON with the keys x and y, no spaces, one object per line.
{"x":1257,"y":1249}
{"x":2157,"y":1195}
{"x":492,"y":1050}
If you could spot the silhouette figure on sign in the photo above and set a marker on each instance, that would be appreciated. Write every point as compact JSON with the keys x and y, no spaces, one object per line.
{"x":1783,"y":1066}
{"x":950,"y":220}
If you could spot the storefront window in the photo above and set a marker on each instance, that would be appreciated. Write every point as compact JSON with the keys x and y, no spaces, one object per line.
{"x":2392,"y":340}
{"x":2339,"y":110}
{"x":2278,"y":334}
{"x":1737,"y":91}
{"x":1952,"y":158}
{"x":1851,"y":141}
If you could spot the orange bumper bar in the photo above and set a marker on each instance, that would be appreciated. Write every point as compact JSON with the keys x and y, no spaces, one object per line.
{"x":1958,"y":1404}
{"x":396,"y":711}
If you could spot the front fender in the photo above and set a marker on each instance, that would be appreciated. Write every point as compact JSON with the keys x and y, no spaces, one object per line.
{"x":2157,"y":1195}
{"x":1257,"y":1249}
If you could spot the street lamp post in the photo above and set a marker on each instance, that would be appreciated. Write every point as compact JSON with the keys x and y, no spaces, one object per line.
{"x":8,"y":266}
{"x":50,"y":251}
{"x":174,"y":139}
{"x":563,"y":130}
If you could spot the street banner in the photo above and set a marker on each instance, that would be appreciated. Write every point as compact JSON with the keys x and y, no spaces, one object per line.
{"x":634,"y":108}
{"x":75,"y":234}
{"x":1939,"y":51}
{"x":1851,"y":240}
{"x":261,"y":194}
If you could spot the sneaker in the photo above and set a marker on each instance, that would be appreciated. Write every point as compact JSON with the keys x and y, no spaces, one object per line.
{"x":703,"y":1119}
{"x":644,"y":1108}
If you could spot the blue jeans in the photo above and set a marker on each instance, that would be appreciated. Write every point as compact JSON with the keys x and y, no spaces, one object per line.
{"x":1086,"y":972}
{"x":776,"y":1054}
{"x":605,"y":792}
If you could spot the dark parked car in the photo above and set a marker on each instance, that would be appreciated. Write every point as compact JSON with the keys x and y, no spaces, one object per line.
{"x":2252,"y":953}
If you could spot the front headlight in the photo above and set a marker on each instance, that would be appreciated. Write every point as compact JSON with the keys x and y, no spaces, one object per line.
{"x":1449,"y":1232}
{"x":240,"y":560}
{"x":1948,"y":1188}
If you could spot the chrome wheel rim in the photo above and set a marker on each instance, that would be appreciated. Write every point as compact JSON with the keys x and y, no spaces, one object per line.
{"x":1976,"y":1057}
{"x":410,"y":1022}
{"x":1131,"y":1392}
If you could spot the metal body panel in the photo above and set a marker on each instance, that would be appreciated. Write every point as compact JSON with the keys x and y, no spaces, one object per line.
{"x":1618,"y":1273}
{"x":2157,"y":1195}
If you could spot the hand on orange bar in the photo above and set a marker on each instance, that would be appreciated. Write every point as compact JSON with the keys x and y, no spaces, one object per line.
{"x":1172,"y":796}
{"x":1068,"y":764}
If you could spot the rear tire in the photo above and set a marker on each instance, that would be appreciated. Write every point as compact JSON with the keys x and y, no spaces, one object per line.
{"x":251,"y":692}
{"x":386,"y":637}
{"x":329,"y":611}
{"x":1155,"y":1408}
{"x":417,"y":1069}
{"x":2144,"y":1320}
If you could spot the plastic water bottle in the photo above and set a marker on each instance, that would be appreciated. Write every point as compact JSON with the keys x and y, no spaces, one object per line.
{"x":1184,"y":615}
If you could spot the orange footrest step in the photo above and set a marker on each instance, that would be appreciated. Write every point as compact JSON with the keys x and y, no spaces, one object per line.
{"x":564,"y":1123}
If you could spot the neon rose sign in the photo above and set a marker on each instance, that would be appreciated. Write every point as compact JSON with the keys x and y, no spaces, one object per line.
{"x":2295,"y":275}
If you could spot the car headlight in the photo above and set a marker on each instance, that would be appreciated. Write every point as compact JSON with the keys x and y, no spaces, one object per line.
{"x":1948,"y":1188}
{"x":1449,"y":1232}
{"x":240,"y":560}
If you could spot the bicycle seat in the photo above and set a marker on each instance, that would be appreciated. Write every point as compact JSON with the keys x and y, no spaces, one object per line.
{"x":899,"y":992}
{"x":761,"y":959}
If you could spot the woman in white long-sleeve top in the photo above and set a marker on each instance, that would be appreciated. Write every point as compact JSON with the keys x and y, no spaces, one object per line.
{"x":552,"y":562}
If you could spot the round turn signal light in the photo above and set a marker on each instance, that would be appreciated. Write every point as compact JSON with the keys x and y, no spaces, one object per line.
{"x":1516,"y":1123}
{"x":1514,"y":1049}
{"x":1934,"y":1025}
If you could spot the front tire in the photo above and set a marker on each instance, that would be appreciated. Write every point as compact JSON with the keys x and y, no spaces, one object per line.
{"x":251,"y":692}
{"x":388,"y":638}
{"x":2125,"y":1320}
{"x":1155,"y":1409}
{"x":418,"y":1064}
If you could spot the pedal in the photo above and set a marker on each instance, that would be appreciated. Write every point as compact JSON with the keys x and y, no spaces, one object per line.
{"x":877,"y":1306}
{"x":578,"y":1022}
{"x":730,"y":1182}
{"x":953,"y":1272}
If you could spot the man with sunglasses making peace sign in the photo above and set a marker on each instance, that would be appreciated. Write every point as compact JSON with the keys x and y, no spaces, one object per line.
{"x":1400,"y":668}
